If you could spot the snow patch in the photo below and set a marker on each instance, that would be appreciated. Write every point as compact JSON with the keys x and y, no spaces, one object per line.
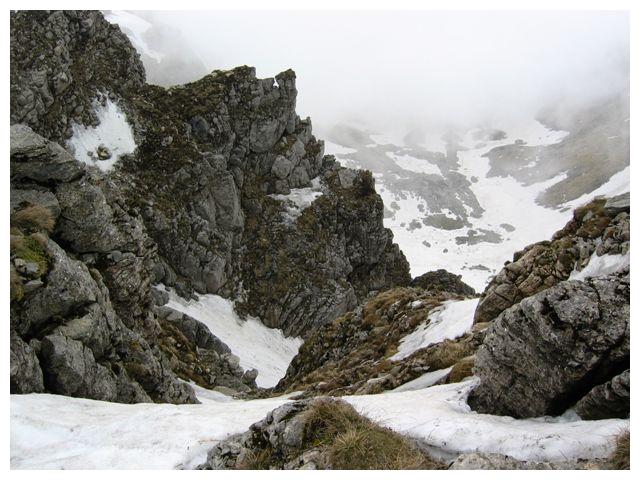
{"x":440,"y":417}
{"x":602,"y":265}
{"x":57,"y":432}
{"x":618,"y":184}
{"x":299,"y":199}
{"x":331,"y":148}
{"x":257,"y":346}
{"x":112,"y":132}
{"x":423,"y":381}
{"x":451,"y":320}
{"x":418,"y":165}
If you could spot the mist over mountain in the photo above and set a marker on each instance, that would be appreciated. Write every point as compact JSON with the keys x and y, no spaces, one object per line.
{"x":319,"y":240}
{"x":429,"y":69}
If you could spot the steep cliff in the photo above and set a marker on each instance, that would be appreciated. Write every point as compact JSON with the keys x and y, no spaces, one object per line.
{"x":216,"y":186}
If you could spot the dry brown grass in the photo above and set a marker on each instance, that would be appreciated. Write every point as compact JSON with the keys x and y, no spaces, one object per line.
{"x":255,"y":460}
{"x":15,"y":284}
{"x":31,"y":249}
{"x":620,"y":459}
{"x":34,"y":218}
{"x":353,"y":442}
{"x":462,"y":369}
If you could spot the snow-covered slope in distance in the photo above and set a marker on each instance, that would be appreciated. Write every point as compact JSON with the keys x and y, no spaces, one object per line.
{"x":478,"y":241}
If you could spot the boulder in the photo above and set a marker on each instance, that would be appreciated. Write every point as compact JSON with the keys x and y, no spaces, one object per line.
{"x":70,"y":369}
{"x":35,"y":158}
{"x":544,"y":354}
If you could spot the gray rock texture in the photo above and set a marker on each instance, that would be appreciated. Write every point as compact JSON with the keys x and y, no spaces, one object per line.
{"x":495,"y":461}
{"x":190,"y":208}
{"x":60,"y":60}
{"x":609,"y":400}
{"x":593,"y":229}
{"x":283,"y":431}
{"x":25,"y":371}
{"x":546,"y":353}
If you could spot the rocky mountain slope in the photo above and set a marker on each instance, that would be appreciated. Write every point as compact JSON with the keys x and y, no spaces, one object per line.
{"x":454,"y":198}
{"x":206,"y":202}
{"x":550,"y":332}
{"x":185,"y":244}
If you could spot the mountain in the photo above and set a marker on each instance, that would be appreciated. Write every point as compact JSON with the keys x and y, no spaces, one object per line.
{"x":195,"y":284}
{"x":199,"y":187}
{"x":455,"y":199}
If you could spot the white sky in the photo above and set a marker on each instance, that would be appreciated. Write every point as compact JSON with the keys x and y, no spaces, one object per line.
{"x":420,"y":66}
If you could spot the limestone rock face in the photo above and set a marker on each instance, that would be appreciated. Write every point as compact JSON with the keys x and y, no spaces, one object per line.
{"x":609,"y":400}
{"x":595,"y":228}
{"x":546,"y":353}
{"x":193,"y":207}
{"x":59,"y":61}
{"x":26,"y":374}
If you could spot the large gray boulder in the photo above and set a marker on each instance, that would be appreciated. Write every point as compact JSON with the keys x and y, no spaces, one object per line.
{"x":544,"y":354}
{"x":35,"y":158}
{"x":71,"y":369}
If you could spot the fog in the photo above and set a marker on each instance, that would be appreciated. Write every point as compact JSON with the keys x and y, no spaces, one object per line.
{"x":405,"y":69}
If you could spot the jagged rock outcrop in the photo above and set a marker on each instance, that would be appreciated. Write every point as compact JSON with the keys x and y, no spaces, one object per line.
{"x":60,"y":60}
{"x":594,"y":228}
{"x":546,"y":353}
{"x":200,"y":205}
{"x":67,"y":337}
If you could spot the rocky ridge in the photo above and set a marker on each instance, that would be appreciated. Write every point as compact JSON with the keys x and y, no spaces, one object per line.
{"x":198,"y":206}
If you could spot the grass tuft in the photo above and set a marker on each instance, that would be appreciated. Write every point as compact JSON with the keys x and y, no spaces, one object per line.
{"x":620,"y":459}
{"x":353,"y":442}
{"x":34,"y":218}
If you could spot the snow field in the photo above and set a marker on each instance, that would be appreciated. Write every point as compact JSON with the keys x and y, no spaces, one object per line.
{"x":55,"y":432}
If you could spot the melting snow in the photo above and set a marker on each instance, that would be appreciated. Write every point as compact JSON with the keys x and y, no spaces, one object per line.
{"x":504,"y":201}
{"x":51,"y":431}
{"x":416,"y":164}
{"x":423,"y":381}
{"x":113,"y":132}
{"x":265,"y":349}
{"x":299,"y":199}
{"x":602,"y":265}
{"x":619,"y":183}
{"x":56,"y":432}
{"x":440,"y":417}
{"x":451,"y":320}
